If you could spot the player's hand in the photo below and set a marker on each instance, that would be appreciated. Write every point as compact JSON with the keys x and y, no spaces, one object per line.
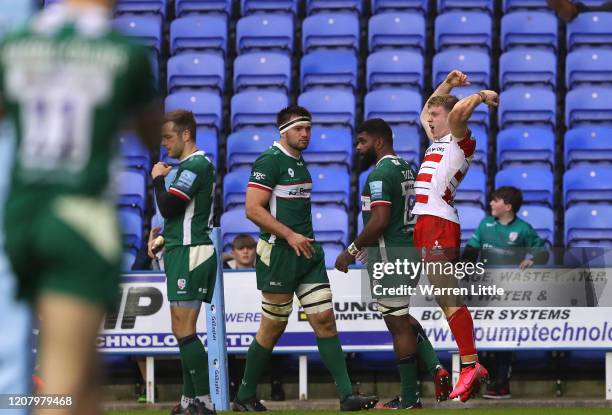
{"x":526,"y":263}
{"x":301,"y":245}
{"x":362,"y":256}
{"x":491,"y":97}
{"x":155,"y":245}
{"x":457,"y":78}
{"x":343,"y":261}
{"x":160,"y":169}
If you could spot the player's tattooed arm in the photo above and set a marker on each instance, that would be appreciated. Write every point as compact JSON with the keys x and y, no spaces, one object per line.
{"x":257,"y":201}
{"x":462,"y":111}
{"x":453,"y":79}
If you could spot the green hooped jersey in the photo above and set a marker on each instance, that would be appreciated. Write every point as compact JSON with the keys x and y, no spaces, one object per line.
{"x":287,"y":178}
{"x":68,"y":81}
{"x":195,"y":184}
{"x":505,"y":244}
{"x":391,"y":183}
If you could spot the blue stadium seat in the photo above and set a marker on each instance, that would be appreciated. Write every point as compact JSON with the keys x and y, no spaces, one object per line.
{"x":396,"y":30}
{"x":330,"y":107}
{"x":13,"y":14}
{"x":329,"y":146}
{"x":588,"y":66}
{"x":479,"y":132}
{"x":396,"y":106}
{"x":183,"y":7}
{"x":333,"y":6}
{"x":472,"y":189}
{"x":588,"y":144}
{"x":133,"y":153}
{"x":330,"y":225}
{"x":470,"y":217}
{"x":262,"y":70}
{"x":529,"y":29}
{"x":452,"y":5}
{"x":131,"y":229}
{"x":463,"y":29}
{"x":268,"y":6}
{"x":480,"y":116}
{"x":206,"y":106}
{"x":395,"y":68}
{"x":196,"y":71}
{"x":407,"y":143}
{"x":514,"y":5}
{"x":542,"y":219}
{"x":235,"y":222}
{"x":243,"y":147}
{"x":141,"y":6}
{"x":269,"y":32}
{"x":528,"y":66}
{"x":330,"y":185}
{"x":588,"y":225}
{"x":523,"y":145}
{"x":587,"y":184}
{"x":590,"y":29}
{"x":199,"y":33}
{"x":256,"y":108}
{"x":331,"y":253}
{"x":527,"y":106}
{"x":234,"y":188}
{"x":207,"y":141}
{"x":327,"y":30}
{"x":474,"y":63}
{"x":329,"y":68}
{"x":132,"y":189}
{"x":129,"y":257}
{"x":146,"y":29}
{"x":536,"y":183}
{"x":588,"y":104}
{"x":380,"y":6}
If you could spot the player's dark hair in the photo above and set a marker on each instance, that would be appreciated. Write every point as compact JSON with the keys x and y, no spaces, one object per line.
{"x":183,"y":120}
{"x":377,"y":127}
{"x":242,"y":240}
{"x":446,"y":101}
{"x":285,"y":114}
{"x":510,"y":195}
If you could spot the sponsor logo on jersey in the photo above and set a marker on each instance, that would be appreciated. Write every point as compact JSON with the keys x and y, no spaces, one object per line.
{"x":490,"y":225}
{"x":185,"y":180}
{"x":291,"y":172}
{"x":299,"y":191}
{"x":376,"y":189}
{"x":396,"y":162}
{"x":408,"y":175}
{"x":259,"y":176}
{"x":512,"y":236}
{"x":181,"y":283}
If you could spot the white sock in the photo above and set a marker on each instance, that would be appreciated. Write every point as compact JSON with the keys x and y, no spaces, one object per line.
{"x":205,"y":399}
{"x":185,"y":401}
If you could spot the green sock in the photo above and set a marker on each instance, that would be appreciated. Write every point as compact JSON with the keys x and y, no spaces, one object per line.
{"x":194,"y":356}
{"x":188,"y":390}
{"x":257,"y":361}
{"x":333,"y":358}
{"x":425,"y":350}
{"x":408,"y":377}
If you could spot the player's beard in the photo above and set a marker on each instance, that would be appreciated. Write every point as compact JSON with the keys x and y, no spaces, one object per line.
{"x":366,"y":160}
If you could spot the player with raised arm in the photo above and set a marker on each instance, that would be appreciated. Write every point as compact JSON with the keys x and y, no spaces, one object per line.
{"x":437,"y":231}
{"x":68,"y":81}
{"x":190,"y":260}
{"x":386,"y":204}
{"x":289,"y":261}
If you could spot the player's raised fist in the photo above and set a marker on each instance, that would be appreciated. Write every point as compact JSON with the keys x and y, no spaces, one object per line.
{"x":457,"y":78}
{"x":490,"y":97}
{"x":160,"y":169}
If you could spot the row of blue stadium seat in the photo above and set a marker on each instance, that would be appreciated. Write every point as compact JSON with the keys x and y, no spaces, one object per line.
{"x":341,"y":30}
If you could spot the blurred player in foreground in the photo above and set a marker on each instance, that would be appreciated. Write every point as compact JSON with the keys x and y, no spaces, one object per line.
{"x":290,"y":262}
{"x":190,"y":260}
{"x":68,"y":82}
{"x":437,"y":231}
{"x":386,"y":205}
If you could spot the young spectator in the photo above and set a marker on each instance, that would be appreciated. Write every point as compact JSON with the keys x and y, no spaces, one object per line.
{"x":243,"y":253}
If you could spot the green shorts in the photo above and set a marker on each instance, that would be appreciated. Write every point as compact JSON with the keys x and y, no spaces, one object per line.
{"x":67,"y":244}
{"x":191,"y":272}
{"x":280,"y":270}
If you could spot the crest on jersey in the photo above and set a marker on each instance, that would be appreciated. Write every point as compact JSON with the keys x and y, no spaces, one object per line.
{"x":512,"y":236}
{"x":181,"y":283}
{"x":291,"y":172}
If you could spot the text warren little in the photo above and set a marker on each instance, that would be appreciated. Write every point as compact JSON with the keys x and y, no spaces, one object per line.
{"x":404,"y":289}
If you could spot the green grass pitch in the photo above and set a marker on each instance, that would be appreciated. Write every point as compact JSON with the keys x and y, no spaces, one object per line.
{"x":433,"y":411}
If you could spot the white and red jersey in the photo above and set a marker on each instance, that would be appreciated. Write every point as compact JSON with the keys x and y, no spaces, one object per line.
{"x":445,"y":164}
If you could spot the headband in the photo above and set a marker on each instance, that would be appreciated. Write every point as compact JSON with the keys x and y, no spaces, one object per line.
{"x":294,"y":123}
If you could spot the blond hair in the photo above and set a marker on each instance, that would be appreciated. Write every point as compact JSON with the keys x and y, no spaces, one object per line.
{"x":446,"y":101}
